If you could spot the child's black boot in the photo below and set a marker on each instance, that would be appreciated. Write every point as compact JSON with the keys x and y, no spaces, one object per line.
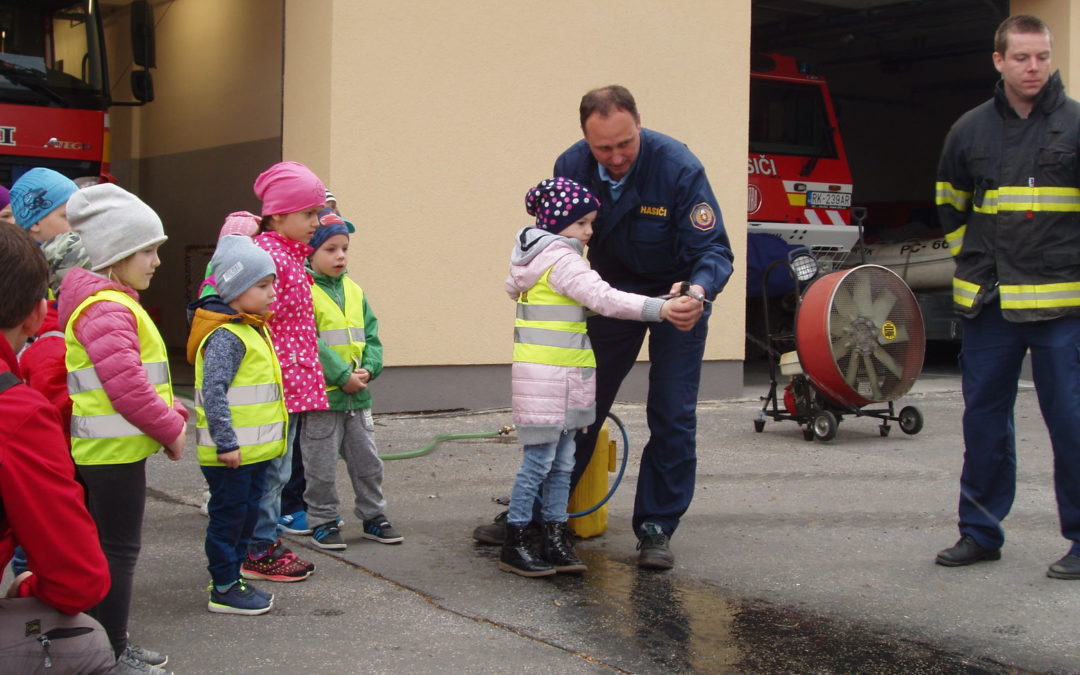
{"x":520,"y":556}
{"x":558,"y":549}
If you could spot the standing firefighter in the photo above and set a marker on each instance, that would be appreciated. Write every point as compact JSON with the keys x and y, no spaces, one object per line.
{"x":1008,"y":195}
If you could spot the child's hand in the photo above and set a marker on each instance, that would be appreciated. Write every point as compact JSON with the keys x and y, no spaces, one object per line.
{"x":175,"y":450}
{"x":230,"y":459}
{"x":353,"y":384}
{"x":365,"y":376}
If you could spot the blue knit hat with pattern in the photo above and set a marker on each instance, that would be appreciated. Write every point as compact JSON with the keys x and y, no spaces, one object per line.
{"x":38,"y":193}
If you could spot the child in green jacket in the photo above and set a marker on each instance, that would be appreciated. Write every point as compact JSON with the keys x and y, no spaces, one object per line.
{"x":351,"y":356}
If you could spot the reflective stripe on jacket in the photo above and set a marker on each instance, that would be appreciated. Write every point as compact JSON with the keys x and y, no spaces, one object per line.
{"x":99,"y":434}
{"x":550,"y":328}
{"x":256,"y":401}
{"x":1008,"y":196}
{"x":341,"y":329}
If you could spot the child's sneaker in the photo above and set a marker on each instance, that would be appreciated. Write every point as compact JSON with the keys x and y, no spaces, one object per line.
{"x":146,"y":655}
{"x":127,"y":664}
{"x":328,"y":536}
{"x":239,"y":599}
{"x":274,"y":565}
{"x":205,"y":508}
{"x":294,"y":523}
{"x":380,"y":529}
{"x":285,"y":552}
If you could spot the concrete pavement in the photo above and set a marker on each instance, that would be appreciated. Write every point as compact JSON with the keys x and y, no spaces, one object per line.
{"x":795,"y":557}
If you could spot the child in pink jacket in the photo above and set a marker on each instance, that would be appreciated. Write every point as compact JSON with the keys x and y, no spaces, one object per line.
{"x":292,"y":197}
{"x":554,"y":390}
{"x":123,"y":409}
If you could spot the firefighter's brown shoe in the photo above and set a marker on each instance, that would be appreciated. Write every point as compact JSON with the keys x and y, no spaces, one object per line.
{"x":654,"y":549}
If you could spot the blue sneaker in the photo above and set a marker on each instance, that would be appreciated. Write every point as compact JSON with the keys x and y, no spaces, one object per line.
{"x":380,"y":529}
{"x":294,"y":523}
{"x":239,"y":599}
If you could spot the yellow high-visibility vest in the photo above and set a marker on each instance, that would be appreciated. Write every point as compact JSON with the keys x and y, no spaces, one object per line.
{"x":550,"y":328}
{"x":256,"y":401}
{"x":341,"y":329}
{"x":99,"y":434}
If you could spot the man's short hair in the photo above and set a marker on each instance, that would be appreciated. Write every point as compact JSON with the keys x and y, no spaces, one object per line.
{"x":1019,"y":23}
{"x":607,"y":100}
{"x":24,"y":275}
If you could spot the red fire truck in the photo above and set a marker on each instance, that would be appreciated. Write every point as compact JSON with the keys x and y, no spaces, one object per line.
{"x":54,"y":85}
{"x":799,"y":182}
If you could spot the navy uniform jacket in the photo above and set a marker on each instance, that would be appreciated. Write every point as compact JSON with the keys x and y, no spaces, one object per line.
{"x":666,"y":226}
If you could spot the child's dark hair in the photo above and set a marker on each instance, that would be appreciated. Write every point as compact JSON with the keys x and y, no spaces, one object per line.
{"x":25,"y":277}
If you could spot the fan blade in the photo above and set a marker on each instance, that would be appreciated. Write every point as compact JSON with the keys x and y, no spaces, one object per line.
{"x":886,"y":359}
{"x":882,"y":306}
{"x":840,"y":347}
{"x":862,"y":295}
{"x":852,"y":369}
{"x":843,"y":303}
{"x":871,"y":375}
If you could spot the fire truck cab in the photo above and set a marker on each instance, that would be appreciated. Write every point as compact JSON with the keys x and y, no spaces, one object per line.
{"x":54,"y":85}
{"x":800,"y":186}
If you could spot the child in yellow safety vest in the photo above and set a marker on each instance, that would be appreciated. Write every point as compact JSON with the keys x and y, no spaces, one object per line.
{"x":123,"y":409}
{"x":351,"y":356}
{"x":553,"y":379}
{"x":241,"y":422}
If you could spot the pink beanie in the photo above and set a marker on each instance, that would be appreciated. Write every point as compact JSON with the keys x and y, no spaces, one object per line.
{"x":240,"y":222}
{"x":287,"y":187}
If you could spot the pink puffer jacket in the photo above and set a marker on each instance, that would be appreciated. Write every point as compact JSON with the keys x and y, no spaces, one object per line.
{"x":293,"y":325}
{"x":110,"y":335}
{"x":548,"y":400}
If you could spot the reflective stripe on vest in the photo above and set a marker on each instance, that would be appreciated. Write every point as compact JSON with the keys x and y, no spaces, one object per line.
{"x":1014,"y":198}
{"x":341,"y":329}
{"x":86,"y":379}
{"x":964,"y":292}
{"x":100,"y":435}
{"x":550,"y":328}
{"x":256,"y":402}
{"x":1040,"y":296}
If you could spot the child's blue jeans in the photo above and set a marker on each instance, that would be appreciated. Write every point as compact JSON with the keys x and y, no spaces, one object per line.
{"x":233,"y":510}
{"x":544,"y":471}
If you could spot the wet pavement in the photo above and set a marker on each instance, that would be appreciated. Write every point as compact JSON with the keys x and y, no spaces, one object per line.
{"x":796,"y":557}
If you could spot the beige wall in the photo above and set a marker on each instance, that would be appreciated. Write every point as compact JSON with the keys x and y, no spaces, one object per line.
{"x":193,"y":153}
{"x":433,"y":119}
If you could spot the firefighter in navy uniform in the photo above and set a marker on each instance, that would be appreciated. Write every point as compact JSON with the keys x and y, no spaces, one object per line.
{"x":659,"y":225}
{"x":1008,"y":195}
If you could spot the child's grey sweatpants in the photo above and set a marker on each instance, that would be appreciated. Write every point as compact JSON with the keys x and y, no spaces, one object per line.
{"x":326,"y":434}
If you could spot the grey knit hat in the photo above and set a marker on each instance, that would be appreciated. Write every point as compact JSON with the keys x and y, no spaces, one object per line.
{"x":113,"y":223}
{"x":239,"y":264}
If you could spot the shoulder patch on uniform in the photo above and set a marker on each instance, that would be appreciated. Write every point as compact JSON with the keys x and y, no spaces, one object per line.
{"x":703,"y":217}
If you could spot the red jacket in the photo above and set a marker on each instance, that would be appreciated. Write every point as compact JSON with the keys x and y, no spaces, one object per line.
{"x":43,"y":507}
{"x":43,"y":368}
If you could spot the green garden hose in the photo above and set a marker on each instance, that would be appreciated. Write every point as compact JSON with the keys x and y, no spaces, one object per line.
{"x":505,"y":431}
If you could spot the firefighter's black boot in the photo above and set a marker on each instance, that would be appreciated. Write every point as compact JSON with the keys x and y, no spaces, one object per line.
{"x":558,"y":549}
{"x":520,"y":556}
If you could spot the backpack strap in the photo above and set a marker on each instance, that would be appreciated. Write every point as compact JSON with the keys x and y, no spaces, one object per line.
{"x":8,"y":380}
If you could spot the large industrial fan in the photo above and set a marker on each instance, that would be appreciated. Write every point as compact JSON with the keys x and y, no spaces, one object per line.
{"x":859,"y":341}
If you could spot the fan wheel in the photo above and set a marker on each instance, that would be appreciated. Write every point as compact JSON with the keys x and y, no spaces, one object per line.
{"x":860,"y":336}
